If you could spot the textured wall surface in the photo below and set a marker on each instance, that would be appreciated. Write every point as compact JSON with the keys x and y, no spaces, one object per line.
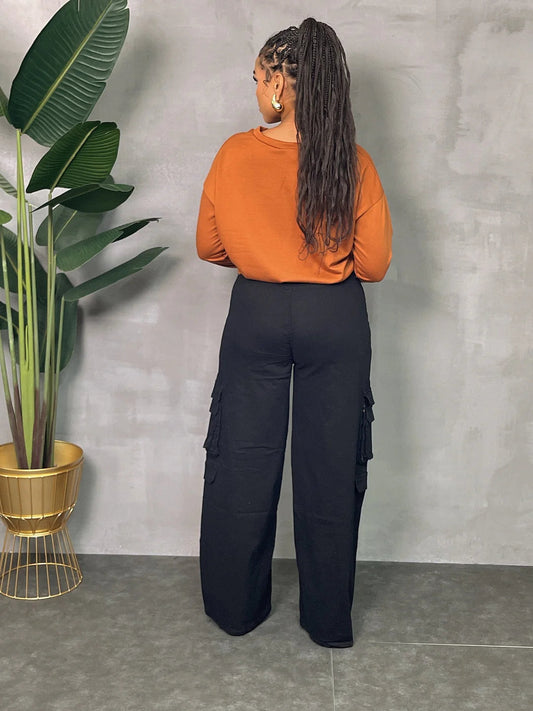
{"x":442,"y":93}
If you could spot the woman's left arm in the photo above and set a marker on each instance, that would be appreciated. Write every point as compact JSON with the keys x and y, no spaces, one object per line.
{"x":372,"y":250}
{"x":373,"y":242}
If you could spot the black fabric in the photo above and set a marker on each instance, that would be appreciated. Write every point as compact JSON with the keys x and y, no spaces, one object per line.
{"x":318,"y":334}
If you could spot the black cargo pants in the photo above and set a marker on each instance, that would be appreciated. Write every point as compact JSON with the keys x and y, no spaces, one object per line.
{"x":319,"y":335}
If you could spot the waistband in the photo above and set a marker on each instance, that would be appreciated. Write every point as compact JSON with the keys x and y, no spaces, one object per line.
{"x":351,"y":279}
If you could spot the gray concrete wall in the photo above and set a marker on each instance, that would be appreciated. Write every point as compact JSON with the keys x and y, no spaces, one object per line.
{"x":442,"y":92}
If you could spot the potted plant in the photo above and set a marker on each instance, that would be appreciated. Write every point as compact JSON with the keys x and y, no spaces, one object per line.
{"x":59,"y":81}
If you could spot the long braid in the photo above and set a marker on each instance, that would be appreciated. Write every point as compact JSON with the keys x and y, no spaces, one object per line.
{"x":313,"y":56}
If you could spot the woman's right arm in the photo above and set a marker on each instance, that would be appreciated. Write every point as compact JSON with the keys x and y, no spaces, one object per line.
{"x":208,"y":243}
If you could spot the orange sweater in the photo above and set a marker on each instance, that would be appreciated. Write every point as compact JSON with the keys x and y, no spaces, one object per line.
{"x":248,"y":217}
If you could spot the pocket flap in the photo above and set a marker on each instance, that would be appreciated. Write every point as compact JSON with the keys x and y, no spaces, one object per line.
{"x":368,"y":402}
{"x":210,"y":471}
{"x":364,"y":444}
{"x":213,"y":431}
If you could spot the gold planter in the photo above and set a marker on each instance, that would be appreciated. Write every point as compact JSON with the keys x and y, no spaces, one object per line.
{"x":38,"y":560}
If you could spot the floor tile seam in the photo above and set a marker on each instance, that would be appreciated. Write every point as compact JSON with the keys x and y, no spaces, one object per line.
{"x":332,"y":679}
{"x":449,"y":644}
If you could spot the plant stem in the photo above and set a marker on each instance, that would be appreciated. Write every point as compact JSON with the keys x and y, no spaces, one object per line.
{"x":59,"y":342}
{"x":53,"y":404}
{"x":22,"y":459}
{"x":14,"y":416}
{"x":26,"y":365}
{"x":9,"y":315}
{"x":34,"y":304}
{"x":39,"y":425}
{"x":39,"y":434}
{"x":31,"y":318}
{"x":40,"y":412}
{"x":7,"y":395}
{"x":5,"y":380}
{"x":50,"y":350}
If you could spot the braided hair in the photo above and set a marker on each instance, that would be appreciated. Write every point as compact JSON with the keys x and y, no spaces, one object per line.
{"x":312,"y":58}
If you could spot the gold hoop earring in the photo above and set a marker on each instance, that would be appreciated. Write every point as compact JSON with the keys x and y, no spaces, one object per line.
{"x":276,"y":105}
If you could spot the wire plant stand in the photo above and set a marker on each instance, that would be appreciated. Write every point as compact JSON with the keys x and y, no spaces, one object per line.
{"x":38,"y":559}
{"x":38,"y":567}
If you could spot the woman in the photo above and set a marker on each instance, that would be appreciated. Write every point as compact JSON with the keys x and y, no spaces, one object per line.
{"x":299,"y":210}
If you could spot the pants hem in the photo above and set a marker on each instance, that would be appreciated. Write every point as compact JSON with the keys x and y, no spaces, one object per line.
{"x":340,"y":644}
{"x":239,"y":631}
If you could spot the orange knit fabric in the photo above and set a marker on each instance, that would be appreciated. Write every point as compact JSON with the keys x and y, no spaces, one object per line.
{"x":247,"y":217}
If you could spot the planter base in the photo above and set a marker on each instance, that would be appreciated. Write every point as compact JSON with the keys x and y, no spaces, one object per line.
{"x":37,"y":559}
{"x":38,"y":567}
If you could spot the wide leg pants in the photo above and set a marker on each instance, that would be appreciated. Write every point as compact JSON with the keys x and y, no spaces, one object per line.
{"x":318,"y":334}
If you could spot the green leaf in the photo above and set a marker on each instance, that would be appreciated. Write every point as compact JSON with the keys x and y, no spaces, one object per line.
{"x":6,"y":185}
{"x":70,"y":226}
{"x":70,"y":319}
{"x":113,"y":275}
{"x":5,"y":217}
{"x":97,"y":197}
{"x":66,"y":68}
{"x":86,"y":154}
{"x":75,"y":255}
{"x":3,"y":103}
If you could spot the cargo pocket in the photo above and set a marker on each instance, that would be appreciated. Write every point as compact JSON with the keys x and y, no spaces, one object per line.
{"x":212,"y":440}
{"x":364,"y":440}
{"x":211,"y":469}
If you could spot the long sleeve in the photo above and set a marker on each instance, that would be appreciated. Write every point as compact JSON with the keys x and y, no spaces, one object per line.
{"x":372,"y":250}
{"x":208,"y":243}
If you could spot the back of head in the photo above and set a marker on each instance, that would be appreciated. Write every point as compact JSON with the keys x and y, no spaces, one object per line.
{"x":313,"y":58}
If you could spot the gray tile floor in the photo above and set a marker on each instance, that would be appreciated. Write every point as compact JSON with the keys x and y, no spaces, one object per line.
{"x":134,"y":637}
